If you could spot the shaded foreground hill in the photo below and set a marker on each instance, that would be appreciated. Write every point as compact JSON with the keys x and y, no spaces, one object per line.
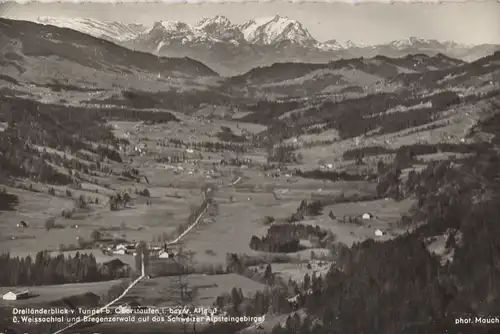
{"x":20,"y":39}
{"x":401,"y":285}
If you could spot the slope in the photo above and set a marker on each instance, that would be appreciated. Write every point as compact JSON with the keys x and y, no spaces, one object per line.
{"x":40,"y":59}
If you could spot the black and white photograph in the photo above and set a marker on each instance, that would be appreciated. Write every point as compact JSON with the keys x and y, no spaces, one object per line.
{"x":249,"y":167}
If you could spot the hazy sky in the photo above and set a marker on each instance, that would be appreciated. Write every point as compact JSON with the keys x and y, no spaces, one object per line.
{"x":470,"y":22}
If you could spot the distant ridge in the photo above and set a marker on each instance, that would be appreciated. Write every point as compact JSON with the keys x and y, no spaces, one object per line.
{"x":232,"y":49}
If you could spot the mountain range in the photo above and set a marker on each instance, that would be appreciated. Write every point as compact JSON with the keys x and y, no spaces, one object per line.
{"x":232,"y":49}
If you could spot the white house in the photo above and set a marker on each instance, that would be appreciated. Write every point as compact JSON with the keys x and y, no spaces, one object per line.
{"x":165,"y":255}
{"x":379,"y":233}
{"x":367,"y":216}
{"x":15,"y":295}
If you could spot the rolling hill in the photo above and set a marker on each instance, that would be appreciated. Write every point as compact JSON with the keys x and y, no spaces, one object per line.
{"x":342,"y":76}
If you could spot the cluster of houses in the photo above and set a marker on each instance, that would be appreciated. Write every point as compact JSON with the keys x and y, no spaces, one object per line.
{"x":162,"y":251}
{"x":140,"y":149}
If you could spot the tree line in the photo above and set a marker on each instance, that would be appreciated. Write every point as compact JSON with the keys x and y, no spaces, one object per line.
{"x":334,"y":175}
{"x":45,"y":269}
{"x":285,"y":238}
{"x":417,"y":149}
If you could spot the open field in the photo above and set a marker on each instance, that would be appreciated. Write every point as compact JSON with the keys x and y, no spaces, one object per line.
{"x":136,"y":222}
{"x":165,"y":291}
{"x":233,"y":226}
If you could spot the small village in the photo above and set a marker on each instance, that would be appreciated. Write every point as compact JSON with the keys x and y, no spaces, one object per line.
{"x":130,"y":248}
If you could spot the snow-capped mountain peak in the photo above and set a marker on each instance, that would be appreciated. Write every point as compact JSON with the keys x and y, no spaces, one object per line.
{"x":350,"y":45}
{"x":218,"y":20}
{"x":268,"y":31}
{"x":167,"y":32}
{"x":420,"y":43}
{"x":107,"y":30}
{"x":172,"y":26}
{"x":410,"y":42}
{"x":220,"y":29}
{"x":169,"y":29}
{"x":331,"y":45}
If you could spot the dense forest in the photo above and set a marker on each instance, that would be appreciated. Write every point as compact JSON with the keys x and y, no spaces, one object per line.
{"x":32,"y":124}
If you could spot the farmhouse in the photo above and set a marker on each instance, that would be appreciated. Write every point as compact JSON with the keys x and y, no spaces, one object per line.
{"x":379,"y":233}
{"x":165,"y":253}
{"x":114,"y":266}
{"x":15,"y":295}
{"x":294,"y":301}
{"x":22,"y":224}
